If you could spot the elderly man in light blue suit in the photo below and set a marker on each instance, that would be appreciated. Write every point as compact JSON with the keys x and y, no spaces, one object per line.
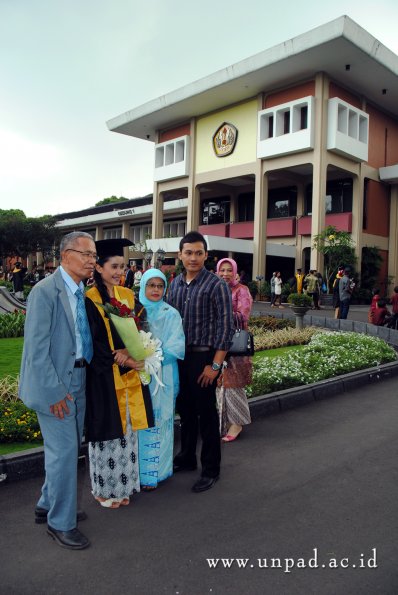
{"x":57,"y":345}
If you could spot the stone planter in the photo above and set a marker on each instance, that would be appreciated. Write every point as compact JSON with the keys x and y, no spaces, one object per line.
{"x":299,"y":312}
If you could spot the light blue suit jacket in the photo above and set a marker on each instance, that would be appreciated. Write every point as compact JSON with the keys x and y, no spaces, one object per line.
{"x":49,"y":350}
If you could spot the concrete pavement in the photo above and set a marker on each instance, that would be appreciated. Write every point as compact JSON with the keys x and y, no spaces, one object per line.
{"x":319,"y":482}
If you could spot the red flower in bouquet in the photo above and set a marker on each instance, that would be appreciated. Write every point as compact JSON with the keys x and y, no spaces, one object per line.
{"x":120,"y":309}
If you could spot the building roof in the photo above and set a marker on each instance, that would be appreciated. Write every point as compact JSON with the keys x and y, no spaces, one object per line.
{"x":109,"y":207}
{"x":329,"y":48}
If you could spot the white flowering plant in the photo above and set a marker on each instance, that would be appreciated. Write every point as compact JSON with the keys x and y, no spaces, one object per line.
{"x":327,"y":354}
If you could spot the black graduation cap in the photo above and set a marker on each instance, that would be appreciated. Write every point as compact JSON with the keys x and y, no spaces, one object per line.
{"x":112,"y":247}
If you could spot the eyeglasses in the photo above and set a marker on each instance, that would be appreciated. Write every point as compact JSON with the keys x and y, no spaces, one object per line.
{"x":159,"y":286}
{"x":86,"y":255}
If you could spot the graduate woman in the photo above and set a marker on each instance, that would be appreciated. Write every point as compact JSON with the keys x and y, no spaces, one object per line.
{"x":117,"y":403}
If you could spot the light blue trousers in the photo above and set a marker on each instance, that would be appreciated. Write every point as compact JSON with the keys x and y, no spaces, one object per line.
{"x":62,"y":438}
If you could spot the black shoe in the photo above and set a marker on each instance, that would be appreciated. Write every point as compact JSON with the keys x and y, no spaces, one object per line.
{"x":72,"y":540}
{"x":41,"y":515}
{"x":183,"y":467}
{"x":204,"y":483}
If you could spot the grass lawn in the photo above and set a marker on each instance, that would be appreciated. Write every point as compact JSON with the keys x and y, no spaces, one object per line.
{"x":7,"y":448}
{"x":11,"y":353}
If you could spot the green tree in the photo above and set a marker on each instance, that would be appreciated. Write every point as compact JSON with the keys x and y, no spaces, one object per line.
{"x":21,"y":235}
{"x":109,"y":200}
{"x":337,"y":248}
{"x":370,"y":267}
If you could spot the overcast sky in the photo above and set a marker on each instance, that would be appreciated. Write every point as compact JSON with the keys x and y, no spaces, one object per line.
{"x":68,"y":66}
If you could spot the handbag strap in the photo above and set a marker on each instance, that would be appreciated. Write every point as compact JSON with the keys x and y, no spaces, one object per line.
{"x":238,"y":321}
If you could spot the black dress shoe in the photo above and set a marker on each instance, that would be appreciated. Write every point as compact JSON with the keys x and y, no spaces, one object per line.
{"x":41,"y":515}
{"x":72,"y":540}
{"x":204,"y":483}
{"x":182,"y":467}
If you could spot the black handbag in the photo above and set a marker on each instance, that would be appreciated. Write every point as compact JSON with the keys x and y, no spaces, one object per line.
{"x":242,"y":341}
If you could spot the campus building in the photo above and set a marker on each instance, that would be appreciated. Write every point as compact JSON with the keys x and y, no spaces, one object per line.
{"x":261,"y":156}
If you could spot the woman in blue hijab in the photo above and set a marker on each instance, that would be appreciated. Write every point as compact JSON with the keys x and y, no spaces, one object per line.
{"x":155,"y":445}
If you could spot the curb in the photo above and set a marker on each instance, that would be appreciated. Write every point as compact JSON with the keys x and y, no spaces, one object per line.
{"x":30,"y":463}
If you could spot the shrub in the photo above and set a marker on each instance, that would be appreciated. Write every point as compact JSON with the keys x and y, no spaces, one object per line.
{"x":300,"y":299}
{"x":8,"y":389}
{"x":6,"y":284}
{"x":12,"y":325}
{"x":269,"y":323}
{"x":283,"y":338}
{"x":253,"y":288}
{"x":265,"y":289}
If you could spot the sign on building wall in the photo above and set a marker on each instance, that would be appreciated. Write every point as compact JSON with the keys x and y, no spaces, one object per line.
{"x":224,"y":139}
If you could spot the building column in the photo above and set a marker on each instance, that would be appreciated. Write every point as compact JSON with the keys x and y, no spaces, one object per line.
{"x":357,"y":212}
{"x":393,"y":240}
{"x":299,"y":237}
{"x":319,"y":173}
{"x":99,"y":233}
{"x":193,"y":211}
{"x":260,"y":221}
{"x":157,"y":214}
{"x":233,"y":207}
{"x":125,"y":229}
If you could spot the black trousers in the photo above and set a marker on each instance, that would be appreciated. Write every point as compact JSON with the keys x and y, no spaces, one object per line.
{"x":197,"y":409}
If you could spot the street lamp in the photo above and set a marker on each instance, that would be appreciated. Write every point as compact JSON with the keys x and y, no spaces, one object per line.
{"x":148,"y":256}
{"x":160,"y":256}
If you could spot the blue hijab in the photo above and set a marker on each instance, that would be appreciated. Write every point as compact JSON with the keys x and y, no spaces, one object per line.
{"x":149,"y":305}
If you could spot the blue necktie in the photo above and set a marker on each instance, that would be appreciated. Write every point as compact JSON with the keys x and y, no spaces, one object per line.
{"x":83,"y":326}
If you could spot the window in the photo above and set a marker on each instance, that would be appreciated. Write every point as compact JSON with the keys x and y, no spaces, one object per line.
{"x":174,"y":229}
{"x":270,"y":126}
{"x":140,"y":233}
{"x":282,"y":202}
{"x":214,"y":212}
{"x":91,"y":232}
{"x":286,"y":122}
{"x":338,"y":197}
{"x":110,"y":233}
{"x":246,"y":207}
{"x":304,"y":117}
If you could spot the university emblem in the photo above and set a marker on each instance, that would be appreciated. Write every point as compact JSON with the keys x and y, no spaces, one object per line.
{"x":224,"y":140}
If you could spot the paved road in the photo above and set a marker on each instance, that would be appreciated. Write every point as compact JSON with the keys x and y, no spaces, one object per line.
{"x":322,"y":477}
{"x":356,"y":312}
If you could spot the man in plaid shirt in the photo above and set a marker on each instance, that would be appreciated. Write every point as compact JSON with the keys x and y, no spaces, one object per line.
{"x":204,"y":302}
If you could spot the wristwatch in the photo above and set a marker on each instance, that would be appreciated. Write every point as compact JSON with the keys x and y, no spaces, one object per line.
{"x":215,"y":366}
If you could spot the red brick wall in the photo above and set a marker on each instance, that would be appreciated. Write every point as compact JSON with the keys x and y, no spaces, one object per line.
{"x":291,"y":94}
{"x":183,"y":130}
{"x":383,"y":139}
{"x":377,"y":209}
{"x":336,"y":91}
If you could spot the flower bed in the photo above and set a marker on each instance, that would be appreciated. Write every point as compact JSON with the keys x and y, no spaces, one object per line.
{"x":328,"y":354}
{"x":18,"y":423}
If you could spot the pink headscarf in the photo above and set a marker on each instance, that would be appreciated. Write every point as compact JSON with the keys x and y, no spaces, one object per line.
{"x":234,"y":266}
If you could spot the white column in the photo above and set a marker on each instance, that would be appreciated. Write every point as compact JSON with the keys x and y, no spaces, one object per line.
{"x":260,"y":221}
{"x":319,"y":173}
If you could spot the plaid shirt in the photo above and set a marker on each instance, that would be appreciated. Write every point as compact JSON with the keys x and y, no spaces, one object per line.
{"x":205,"y":306}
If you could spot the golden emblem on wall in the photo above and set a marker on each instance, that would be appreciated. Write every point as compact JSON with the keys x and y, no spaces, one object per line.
{"x":224,"y":139}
